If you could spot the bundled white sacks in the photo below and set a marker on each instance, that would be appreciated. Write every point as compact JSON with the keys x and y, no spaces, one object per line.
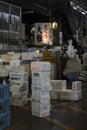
{"x":41,"y":87}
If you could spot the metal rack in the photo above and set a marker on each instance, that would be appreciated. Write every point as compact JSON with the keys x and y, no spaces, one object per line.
{"x":10,"y":26}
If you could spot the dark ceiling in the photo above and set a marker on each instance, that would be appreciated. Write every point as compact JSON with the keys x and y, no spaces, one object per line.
{"x":44,"y":6}
{"x":48,"y":8}
{"x":82,"y":3}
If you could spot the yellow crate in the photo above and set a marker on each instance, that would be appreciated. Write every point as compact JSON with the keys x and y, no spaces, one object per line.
{"x":47,"y":53}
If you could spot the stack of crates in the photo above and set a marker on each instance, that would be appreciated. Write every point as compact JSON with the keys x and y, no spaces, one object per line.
{"x":5,"y":119}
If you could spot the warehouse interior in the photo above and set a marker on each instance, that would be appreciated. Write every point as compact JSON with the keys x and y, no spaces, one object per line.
{"x":43,"y":65}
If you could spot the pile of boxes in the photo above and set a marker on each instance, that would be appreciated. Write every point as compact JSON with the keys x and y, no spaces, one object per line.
{"x":5,"y":117}
{"x":60,"y":91}
{"x":41,"y":87}
{"x":19,"y":86}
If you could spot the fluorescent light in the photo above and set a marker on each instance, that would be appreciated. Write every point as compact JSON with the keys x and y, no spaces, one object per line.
{"x":75,"y":8}
{"x":83,"y":13}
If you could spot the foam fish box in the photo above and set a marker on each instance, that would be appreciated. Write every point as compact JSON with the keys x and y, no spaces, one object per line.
{"x":18,"y":69}
{"x":58,"y":84}
{"x":41,"y":75}
{"x":76,"y":85}
{"x":18,"y":78}
{"x":65,"y":95}
{"x":37,"y":106}
{"x":40,"y":96}
{"x":41,"y":114}
{"x":76,"y":95}
{"x":42,"y":86}
{"x":19,"y":90}
{"x":54,"y":94}
{"x":19,"y":101}
{"x":40,"y":66}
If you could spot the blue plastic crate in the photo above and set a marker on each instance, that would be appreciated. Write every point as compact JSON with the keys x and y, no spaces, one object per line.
{"x":8,"y":120}
{"x":4,"y":106}
{"x":5,"y":121}
{"x":4,"y":92}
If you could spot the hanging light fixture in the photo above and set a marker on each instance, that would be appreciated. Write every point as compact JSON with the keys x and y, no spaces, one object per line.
{"x":54,"y":25}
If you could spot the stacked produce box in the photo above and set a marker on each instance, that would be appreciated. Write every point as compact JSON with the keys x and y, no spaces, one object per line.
{"x":19,"y":86}
{"x":5,"y":119}
{"x":41,"y":87}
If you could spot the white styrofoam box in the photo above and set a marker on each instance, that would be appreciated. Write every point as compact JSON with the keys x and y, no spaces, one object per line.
{"x":41,"y":74}
{"x":58,"y":84}
{"x":41,"y":114}
{"x":15,"y":63}
{"x":76,"y":85}
{"x":37,"y":106}
{"x":18,"y":78}
{"x":53,"y":72}
{"x":65,"y":95}
{"x":16,"y":56}
{"x":4,"y":72}
{"x":43,"y":107}
{"x":18,"y":69}
{"x":44,"y":86}
{"x":21,"y":94}
{"x":54,"y":94}
{"x":40,"y":66}
{"x":76,"y":95}
{"x":16,"y":89}
{"x":40,"y":96}
{"x":17,"y":101}
{"x":41,"y":82}
{"x":28,"y":55}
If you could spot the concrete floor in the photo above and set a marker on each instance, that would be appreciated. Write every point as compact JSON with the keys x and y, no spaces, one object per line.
{"x":65,"y":115}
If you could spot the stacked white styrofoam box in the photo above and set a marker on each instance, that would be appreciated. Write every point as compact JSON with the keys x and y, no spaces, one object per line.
{"x":18,"y":77}
{"x":65,"y":94}
{"x":57,"y":86}
{"x":41,"y":87}
{"x":73,"y":94}
{"x":77,"y":90}
{"x":19,"y":94}
{"x":60,"y":91}
{"x":19,"y":85}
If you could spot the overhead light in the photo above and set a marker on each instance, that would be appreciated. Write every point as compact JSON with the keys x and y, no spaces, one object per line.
{"x":74,"y":8}
{"x":54,"y":25}
{"x":83,"y":13}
